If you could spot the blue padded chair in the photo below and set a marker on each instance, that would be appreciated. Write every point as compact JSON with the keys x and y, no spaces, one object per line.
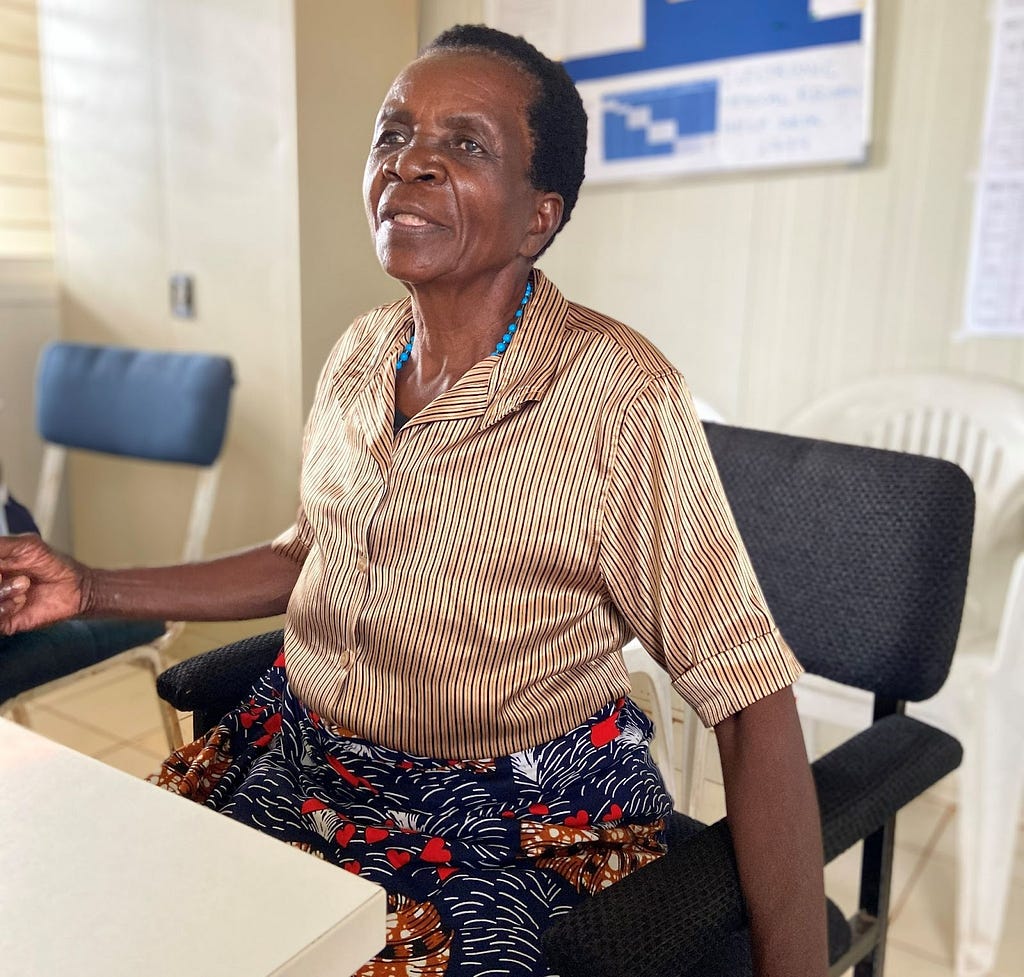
{"x":131,"y":403}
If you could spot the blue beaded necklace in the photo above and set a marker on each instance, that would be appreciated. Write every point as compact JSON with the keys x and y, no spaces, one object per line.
{"x":502,"y":343}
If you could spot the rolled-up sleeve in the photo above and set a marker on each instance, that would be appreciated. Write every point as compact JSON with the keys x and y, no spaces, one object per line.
{"x":675,"y":565}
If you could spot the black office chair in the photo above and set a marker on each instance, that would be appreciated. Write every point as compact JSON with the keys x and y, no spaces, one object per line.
{"x":863,"y":557}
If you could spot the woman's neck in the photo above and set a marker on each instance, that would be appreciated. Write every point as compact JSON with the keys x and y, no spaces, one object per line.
{"x":454,"y":329}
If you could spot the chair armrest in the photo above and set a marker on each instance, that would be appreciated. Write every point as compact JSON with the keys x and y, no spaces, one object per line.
{"x":210,"y":684}
{"x":1008,"y":663}
{"x":664,"y":918}
{"x":873,"y":775}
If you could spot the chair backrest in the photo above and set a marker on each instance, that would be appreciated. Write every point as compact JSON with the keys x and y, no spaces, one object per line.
{"x":862,"y":553}
{"x":978,"y":424}
{"x":133,"y":403}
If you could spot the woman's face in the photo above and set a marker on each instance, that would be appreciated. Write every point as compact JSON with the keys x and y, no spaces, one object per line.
{"x":446,"y":186}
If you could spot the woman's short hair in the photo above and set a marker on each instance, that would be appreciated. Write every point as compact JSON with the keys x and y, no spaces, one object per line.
{"x":556,"y":117}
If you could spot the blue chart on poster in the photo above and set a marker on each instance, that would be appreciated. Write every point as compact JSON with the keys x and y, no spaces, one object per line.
{"x":731,"y":85}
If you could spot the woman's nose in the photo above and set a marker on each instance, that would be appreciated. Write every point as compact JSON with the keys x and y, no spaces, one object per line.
{"x":414,"y":161}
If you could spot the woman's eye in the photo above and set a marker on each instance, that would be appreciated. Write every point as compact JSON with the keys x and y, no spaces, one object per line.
{"x":390,"y":137}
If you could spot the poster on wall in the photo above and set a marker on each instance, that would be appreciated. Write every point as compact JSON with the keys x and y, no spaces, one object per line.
{"x":675,"y":87}
{"x":994,"y":304}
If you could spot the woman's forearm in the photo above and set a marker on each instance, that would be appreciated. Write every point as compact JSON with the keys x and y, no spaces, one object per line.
{"x":776,"y":831}
{"x":253,"y":583}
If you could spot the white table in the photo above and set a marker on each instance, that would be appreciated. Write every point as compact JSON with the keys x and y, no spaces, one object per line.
{"x":104,"y":875}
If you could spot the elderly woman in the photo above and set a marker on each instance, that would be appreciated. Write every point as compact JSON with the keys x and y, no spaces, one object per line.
{"x":499,"y":488}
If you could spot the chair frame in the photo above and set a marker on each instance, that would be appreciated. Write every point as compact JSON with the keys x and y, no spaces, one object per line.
{"x":687,"y":792}
{"x":975,"y":423}
{"x":150,"y":656}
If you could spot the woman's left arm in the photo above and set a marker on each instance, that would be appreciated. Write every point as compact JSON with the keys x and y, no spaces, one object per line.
{"x":776,"y":831}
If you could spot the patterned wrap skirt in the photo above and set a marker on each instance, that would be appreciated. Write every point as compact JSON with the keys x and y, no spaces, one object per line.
{"x":477,"y":856}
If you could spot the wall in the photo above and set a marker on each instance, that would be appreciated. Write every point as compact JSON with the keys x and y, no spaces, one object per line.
{"x":768,"y":289}
{"x":28,"y":320}
{"x":28,"y":296}
{"x":348,"y":56}
{"x":24,"y":198}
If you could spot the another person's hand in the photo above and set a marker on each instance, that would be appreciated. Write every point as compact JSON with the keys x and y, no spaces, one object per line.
{"x":37,"y":585}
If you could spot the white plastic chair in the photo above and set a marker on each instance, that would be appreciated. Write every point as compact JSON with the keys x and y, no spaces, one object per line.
{"x":687,"y":794}
{"x":979,"y":425}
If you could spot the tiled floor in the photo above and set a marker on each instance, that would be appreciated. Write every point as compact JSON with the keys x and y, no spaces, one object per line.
{"x":114,"y":717}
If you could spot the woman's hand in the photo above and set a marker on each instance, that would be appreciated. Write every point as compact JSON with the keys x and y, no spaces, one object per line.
{"x":37,"y":585}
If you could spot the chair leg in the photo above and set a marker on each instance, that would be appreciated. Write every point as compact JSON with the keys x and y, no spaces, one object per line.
{"x":875,"y":885}
{"x":168,"y":714}
{"x":19,"y":713}
{"x":696,"y":740}
{"x":172,"y":727}
{"x":662,"y":688}
{"x":991,"y":788}
{"x":663,"y":747}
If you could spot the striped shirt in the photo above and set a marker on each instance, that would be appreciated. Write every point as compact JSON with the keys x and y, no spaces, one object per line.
{"x":467,"y":584}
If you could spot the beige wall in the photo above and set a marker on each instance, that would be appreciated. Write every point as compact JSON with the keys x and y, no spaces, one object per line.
{"x":24,"y":198}
{"x":28,"y":294}
{"x":28,"y":320}
{"x":769,"y":288}
{"x":348,"y":55}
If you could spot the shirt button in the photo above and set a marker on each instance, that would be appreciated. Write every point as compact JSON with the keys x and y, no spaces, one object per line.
{"x":362,"y":563}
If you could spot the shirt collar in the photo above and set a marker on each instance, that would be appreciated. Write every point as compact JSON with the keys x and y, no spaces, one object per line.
{"x":493,"y":389}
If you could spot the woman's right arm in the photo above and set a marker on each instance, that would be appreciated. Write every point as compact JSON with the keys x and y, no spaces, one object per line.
{"x":39,"y":586}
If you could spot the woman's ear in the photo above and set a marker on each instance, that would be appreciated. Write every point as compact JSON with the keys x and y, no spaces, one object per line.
{"x":547,"y":218}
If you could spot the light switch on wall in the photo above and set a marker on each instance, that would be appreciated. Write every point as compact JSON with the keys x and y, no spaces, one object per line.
{"x":182,"y":294}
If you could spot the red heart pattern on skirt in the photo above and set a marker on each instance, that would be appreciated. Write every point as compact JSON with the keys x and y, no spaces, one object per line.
{"x":398,"y":858}
{"x":435,"y":851}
